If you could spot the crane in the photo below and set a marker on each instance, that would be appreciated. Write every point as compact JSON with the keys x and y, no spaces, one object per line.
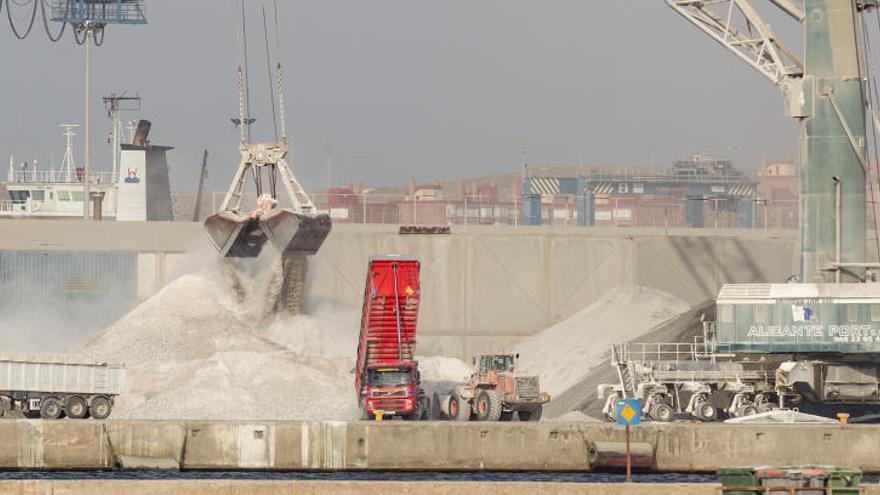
{"x":825,"y":92}
{"x":296,"y":230}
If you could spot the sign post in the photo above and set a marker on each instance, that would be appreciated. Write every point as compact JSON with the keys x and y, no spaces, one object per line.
{"x":628,"y":413}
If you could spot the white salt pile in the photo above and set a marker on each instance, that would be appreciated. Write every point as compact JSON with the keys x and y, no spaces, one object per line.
{"x":565,"y":352}
{"x":197,"y":350}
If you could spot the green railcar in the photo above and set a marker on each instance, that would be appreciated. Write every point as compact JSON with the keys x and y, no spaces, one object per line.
{"x":799,"y":318}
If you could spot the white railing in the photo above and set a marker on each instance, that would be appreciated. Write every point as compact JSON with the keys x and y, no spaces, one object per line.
{"x":8,"y":205}
{"x":55,"y":176}
{"x":643,"y":352}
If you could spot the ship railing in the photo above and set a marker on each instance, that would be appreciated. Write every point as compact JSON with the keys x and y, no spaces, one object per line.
{"x":642,"y":352}
{"x":8,"y":205}
{"x":58,"y":177}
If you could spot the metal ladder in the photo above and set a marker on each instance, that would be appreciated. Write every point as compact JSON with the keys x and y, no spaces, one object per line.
{"x":624,"y":373}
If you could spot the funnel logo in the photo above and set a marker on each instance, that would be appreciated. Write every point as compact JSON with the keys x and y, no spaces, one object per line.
{"x":801,"y":313}
{"x":132,"y":177}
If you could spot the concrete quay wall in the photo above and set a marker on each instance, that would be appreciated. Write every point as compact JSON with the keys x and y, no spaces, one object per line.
{"x":241,"y":487}
{"x":434,"y":446}
{"x":484,"y":288}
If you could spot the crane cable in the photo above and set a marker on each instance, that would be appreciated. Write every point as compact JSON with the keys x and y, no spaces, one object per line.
{"x":12,"y":21}
{"x":870,"y":102}
{"x":56,"y":38}
{"x":99,"y":41}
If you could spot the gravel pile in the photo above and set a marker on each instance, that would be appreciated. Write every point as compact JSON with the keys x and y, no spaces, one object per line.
{"x":203,"y":348}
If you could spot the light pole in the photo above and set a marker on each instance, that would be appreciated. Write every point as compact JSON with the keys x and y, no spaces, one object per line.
{"x":88,"y":29}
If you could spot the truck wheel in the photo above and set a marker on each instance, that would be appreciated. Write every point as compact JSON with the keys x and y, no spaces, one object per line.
{"x":506,"y":416}
{"x":706,"y":411}
{"x":662,"y":412}
{"x":76,"y":407}
{"x":488,"y":405}
{"x":422,"y":411}
{"x":51,"y":408}
{"x":533,"y":414}
{"x":100,"y":408}
{"x":459,"y":409}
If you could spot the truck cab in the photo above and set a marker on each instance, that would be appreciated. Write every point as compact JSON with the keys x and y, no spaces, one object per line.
{"x":392,"y":390}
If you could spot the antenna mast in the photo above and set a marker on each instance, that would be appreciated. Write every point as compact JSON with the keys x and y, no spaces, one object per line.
{"x":68,"y":165}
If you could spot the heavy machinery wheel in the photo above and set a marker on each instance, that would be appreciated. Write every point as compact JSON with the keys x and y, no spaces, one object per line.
{"x":459,"y":409}
{"x":76,"y":407}
{"x":747,"y":410}
{"x":661,"y":412}
{"x":100,"y":408}
{"x":365,"y":415}
{"x":506,"y":416}
{"x":488,"y":405}
{"x":705,"y":411}
{"x":51,"y":408}
{"x":533,"y":414}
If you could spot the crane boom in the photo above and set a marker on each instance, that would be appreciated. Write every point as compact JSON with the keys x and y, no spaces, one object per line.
{"x":826,"y":94}
{"x":737,"y":26}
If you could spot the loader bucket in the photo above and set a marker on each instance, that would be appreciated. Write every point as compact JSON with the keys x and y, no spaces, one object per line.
{"x":291,"y":232}
{"x":234,"y":235}
{"x":239,"y":236}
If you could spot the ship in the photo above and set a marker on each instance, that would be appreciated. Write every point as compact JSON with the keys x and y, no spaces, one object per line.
{"x":138,"y":190}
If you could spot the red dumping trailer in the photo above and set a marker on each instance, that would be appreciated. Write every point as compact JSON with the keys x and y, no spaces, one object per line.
{"x":388,"y":381}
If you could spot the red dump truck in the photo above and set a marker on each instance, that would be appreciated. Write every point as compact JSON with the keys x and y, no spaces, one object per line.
{"x":388,"y":381}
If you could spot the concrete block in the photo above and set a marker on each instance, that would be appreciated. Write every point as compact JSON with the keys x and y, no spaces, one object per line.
{"x":147,"y":439}
{"x":54,"y":445}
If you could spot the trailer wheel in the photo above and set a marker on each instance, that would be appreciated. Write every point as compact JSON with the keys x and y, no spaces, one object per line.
{"x":766,"y":407}
{"x":533,"y":414}
{"x":488,"y":405}
{"x":662,"y":412}
{"x":706,"y":411}
{"x":76,"y":407}
{"x":51,"y":408}
{"x":459,"y":409}
{"x":362,"y":408}
{"x":747,"y":410}
{"x":100,"y":408}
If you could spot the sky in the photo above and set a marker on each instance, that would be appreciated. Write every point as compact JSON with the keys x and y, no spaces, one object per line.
{"x":428,"y":89}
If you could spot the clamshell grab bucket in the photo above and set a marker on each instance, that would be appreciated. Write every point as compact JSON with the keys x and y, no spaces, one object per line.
{"x":243,"y":236}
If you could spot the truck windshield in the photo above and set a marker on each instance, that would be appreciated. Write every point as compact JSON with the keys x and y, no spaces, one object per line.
{"x":389,"y":377}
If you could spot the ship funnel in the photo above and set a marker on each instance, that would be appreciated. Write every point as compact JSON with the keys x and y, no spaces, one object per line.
{"x":142,"y":133}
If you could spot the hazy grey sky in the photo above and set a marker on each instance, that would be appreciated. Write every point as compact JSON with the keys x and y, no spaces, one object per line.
{"x":433,"y":89}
